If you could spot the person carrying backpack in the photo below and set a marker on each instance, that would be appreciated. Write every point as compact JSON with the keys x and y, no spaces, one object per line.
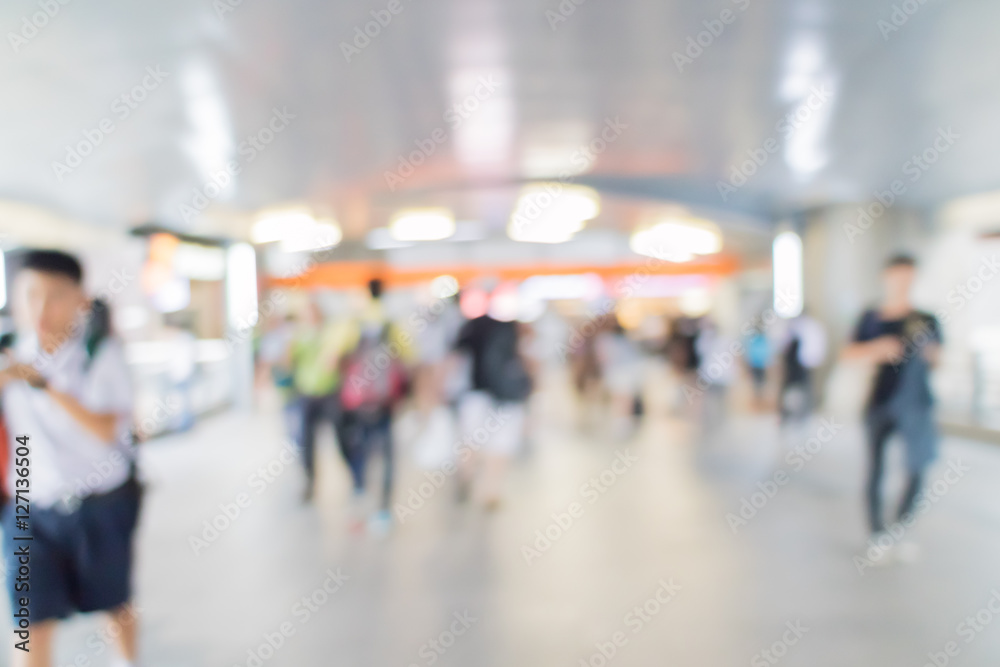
{"x":374,"y":381}
{"x":67,"y":407}
{"x":492,"y":415}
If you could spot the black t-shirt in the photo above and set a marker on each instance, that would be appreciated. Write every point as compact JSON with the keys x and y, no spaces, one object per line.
{"x":917,"y":330}
{"x":496,"y":363}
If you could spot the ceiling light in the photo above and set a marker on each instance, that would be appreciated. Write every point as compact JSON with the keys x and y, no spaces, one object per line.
{"x":429,"y":224}
{"x":552,"y":212}
{"x":296,"y":229}
{"x":677,"y":240}
{"x":278,"y":225}
{"x":318,"y":236}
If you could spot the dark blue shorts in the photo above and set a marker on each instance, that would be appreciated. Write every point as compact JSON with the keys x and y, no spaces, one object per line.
{"x":79,"y":561}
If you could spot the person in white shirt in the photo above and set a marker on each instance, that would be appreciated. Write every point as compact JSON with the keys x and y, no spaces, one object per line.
{"x":65,"y":387}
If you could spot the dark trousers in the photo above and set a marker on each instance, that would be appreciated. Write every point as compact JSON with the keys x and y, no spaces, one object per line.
{"x":880,"y":427}
{"x":363,"y":433}
{"x":313,"y":410}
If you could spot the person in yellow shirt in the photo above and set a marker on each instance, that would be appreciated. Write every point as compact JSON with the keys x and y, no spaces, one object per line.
{"x":318,"y":350}
{"x":374,"y":381}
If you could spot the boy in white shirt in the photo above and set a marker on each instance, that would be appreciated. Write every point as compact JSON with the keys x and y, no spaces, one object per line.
{"x":66,"y":388}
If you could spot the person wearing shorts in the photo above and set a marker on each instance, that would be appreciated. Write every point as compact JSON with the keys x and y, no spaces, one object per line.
{"x":66,"y":393}
{"x":492,"y":414}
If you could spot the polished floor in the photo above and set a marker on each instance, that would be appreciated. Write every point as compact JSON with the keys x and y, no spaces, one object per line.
{"x":646,"y":567}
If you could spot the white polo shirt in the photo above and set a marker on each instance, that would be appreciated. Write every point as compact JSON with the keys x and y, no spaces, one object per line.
{"x":68,"y":462}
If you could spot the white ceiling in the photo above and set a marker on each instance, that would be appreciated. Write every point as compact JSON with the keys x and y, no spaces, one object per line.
{"x":555,"y":91}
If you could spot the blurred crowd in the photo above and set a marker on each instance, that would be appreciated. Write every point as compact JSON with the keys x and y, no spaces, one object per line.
{"x":465,"y":369}
{"x":451,"y":385}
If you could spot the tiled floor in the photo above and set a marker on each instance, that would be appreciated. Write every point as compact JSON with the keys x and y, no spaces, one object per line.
{"x":452,"y":585}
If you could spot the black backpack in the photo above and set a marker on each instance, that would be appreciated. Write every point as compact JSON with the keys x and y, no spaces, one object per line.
{"x":503,"y":370}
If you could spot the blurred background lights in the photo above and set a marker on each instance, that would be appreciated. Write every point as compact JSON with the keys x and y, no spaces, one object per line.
{"x":431,"y":224}
{"x":552,"y":212}
{"x":677,"y":240}
{"x":787,"y":262}
{"x":296,"y":229}
{"x":444,"y":287}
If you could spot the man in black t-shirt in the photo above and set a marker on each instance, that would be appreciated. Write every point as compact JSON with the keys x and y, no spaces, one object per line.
{"x":492,"y":415}
{"x":905,"y":343}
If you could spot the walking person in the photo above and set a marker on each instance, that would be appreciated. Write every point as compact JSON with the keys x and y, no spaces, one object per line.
{"x":492,"y":415}
{"x":758,"y":357}
{"x":905,"y":345}
{"x":621,"y":371}
{"x":317,"y":353}
{"x":66,"y":389}
{"x":804,"y":350}
{"x":374,"y":384}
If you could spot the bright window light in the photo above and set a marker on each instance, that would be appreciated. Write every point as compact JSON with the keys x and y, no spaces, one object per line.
{"x":677,"y":241}
{"x":430,"y":224}
{"x":787,"y":263}
{"x":552,"y":212}
{"x":241,"y":283}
